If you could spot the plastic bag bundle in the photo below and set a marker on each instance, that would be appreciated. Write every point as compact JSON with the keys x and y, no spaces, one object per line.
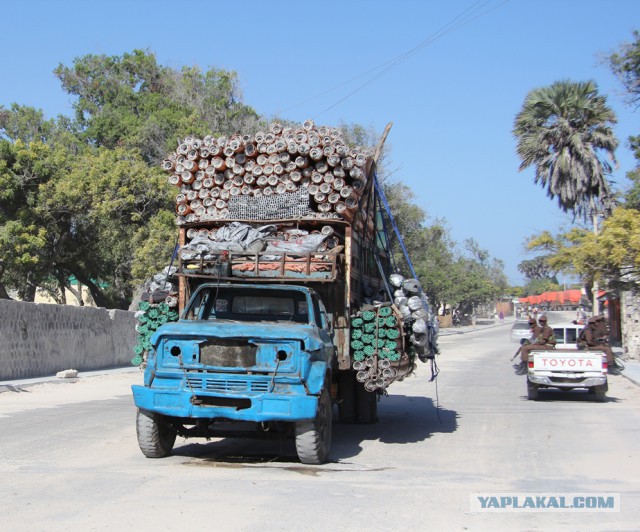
{"x":419,"y":326}
{"x":303,"y":245}
{"x":400,"y":301}
{"x":422,"y":325}
{"x":414,"y":303}
{"x":411,"y":287}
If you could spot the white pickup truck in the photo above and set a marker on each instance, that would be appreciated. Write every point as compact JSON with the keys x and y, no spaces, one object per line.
{"x":567,"y":369}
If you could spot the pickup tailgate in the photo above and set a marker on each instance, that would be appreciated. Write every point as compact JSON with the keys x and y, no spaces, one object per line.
{"x":571,"y":363}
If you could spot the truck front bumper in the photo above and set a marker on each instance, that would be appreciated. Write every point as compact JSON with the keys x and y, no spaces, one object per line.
{"x":566,"y":381}
{"x":260,"y":407}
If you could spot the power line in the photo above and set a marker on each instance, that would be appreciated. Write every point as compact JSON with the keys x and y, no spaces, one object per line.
{"x":473,"y":12}
{"x":446,"y":29}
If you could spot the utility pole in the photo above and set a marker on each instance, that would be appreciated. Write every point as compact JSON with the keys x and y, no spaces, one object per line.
{"x":596,"y":303}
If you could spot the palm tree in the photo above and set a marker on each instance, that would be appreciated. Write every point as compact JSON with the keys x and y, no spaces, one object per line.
{"x":564,"y":132}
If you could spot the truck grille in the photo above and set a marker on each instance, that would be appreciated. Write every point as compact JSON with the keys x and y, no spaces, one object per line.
{"x":228,"y":353}
{"x":210,"y":384}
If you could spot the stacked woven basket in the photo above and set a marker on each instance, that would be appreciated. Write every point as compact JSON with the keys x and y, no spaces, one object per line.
{"x":310,"y":162}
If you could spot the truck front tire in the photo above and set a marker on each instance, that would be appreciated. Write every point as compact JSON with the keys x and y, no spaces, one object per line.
{"x":313,"y":438}
{"x":156,"y":436}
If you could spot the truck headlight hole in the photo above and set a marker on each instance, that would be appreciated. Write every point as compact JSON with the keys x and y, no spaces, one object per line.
{"x":175,"y":351}
{"x":282,"y":355}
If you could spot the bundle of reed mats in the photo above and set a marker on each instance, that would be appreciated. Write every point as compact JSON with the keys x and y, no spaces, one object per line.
{"x":150,"y":316}
{"x":378,"y":347}
{"x":284,"y":172}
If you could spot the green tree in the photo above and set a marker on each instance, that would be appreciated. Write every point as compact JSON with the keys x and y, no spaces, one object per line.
{"x":625,"y":64}
{"x":536,"y":268}
{"x":564,"y":132}
{"x":611,"y":257}
{"x":131,"y":101}
{"x":98,"y":207}
{"x":24,"y":237}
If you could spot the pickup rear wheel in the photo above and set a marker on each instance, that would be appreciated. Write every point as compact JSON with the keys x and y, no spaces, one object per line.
{"x":156,"y":436}
{"x":599,"y":393}
{"x":532,"y":391}
{"x":313,"y":438}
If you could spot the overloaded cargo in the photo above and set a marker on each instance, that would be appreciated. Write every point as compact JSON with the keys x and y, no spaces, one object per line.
{"x":288,"y":297}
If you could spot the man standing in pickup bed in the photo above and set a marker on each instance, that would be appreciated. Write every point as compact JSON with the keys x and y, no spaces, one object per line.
{"x":544,"y":339}
{"x":595,"y":337}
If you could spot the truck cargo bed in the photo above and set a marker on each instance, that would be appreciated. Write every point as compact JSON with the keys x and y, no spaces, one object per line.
{"x":319,"y":267}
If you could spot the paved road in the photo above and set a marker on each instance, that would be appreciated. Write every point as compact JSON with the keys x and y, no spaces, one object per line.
{"x":69,"y":458}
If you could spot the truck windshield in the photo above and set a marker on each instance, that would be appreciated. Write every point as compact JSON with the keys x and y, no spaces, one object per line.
{"x":249,"y":305}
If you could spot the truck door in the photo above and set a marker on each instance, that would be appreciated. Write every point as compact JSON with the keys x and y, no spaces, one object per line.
{"x":325,"y":328}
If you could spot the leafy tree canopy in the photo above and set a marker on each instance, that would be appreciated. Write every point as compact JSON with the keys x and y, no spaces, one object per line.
{"x":626,"y":65}
{"x":611,"y":258}
{"x":133,"y":102}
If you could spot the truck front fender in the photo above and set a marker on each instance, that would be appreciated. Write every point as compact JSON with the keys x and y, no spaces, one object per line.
{"x":316,"y":378}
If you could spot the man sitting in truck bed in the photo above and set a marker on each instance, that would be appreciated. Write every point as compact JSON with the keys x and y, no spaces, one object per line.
{"x":595,"y":336}
{"x":543,"y":340}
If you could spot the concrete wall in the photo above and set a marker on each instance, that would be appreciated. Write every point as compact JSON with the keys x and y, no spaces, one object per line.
{"x":38,"y":339}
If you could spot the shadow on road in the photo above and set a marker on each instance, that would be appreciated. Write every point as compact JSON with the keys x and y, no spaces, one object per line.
{"x":569,"y":396}
{"x":403,"y":420}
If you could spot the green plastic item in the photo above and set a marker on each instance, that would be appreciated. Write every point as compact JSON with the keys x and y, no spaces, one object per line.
{"x":356,"y":334}
{"x":144,"y":305}
{"x":392,"y":334}
{"x":369,"y":350}
{"x":357,"y":322}
{"x":153,"y":313}
{"x":385,"y":311}
{"x":136,"y":360}
{"x":368,"y":338}
{"x":163,"y":308}
{"x":357,"y":345}
{"x":368,"y":315}
{"x":391,"y":321}
{"x":359,"y":355}
{"x":370,"y":327}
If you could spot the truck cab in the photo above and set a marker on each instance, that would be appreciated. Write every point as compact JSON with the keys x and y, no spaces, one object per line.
{"x":241,"y":352}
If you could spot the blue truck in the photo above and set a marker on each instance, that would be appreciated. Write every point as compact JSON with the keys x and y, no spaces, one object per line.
{"x":268,"y":341}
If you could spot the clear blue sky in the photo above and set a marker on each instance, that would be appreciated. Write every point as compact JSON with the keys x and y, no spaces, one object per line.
{"x":452,"y":102}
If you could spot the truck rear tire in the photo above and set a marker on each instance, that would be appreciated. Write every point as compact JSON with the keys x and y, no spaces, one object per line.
{"x":599,"y":393}
{"x":156,"y":436}
{"x":367,"y":405}
{"x":313,"y":438}
{"x":347,"y":397}
{"x":532,"y":391}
